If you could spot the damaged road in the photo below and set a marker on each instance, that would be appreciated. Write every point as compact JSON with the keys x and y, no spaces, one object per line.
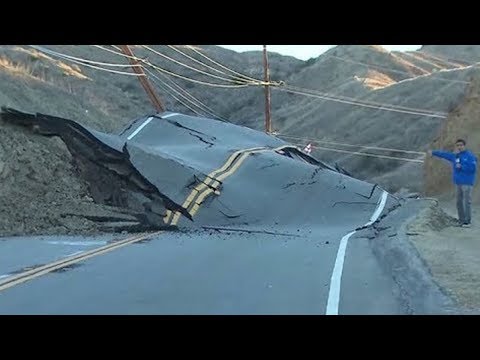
{"x":249,"y":225}
{"x":150,"y":168}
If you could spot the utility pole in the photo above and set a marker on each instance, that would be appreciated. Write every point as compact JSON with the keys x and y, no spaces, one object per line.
{"x":143,"y":79}
{"x":268,"y":120}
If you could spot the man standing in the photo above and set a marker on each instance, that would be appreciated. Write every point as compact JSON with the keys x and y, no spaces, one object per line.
{"x":464,"y":165}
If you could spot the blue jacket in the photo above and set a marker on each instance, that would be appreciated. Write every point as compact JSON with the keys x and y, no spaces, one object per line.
{"x":467,"y":172}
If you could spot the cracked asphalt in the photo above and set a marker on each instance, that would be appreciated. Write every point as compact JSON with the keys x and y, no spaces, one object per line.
{"x":261,"y":231}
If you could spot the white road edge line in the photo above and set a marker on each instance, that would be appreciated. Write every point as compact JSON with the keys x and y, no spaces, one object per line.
{"x":336,"y":280}
{"x":169,"y":115}
{"x":139,"y":128}
{"x":146,"y":123}
{"x":379,"y":209}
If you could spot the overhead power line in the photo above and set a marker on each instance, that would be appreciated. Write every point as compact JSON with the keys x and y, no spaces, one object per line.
{"x":62,"y":56}
{"x":194,"y":101}
{"x":36,"y":47}
{"x":194,"y":69}
{"x":362,"y":104}
{"x":367,"y":154}
{"x":160,"y":69}
{"x":243,"y":79}
{"x":220,"y":65}
{"x":160,"y":85}
{"x":367,"y":147}
{"x":431,"y":75}
{"x":365,"y":102}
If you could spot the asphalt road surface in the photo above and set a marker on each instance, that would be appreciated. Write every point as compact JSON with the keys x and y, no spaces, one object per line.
{"x":269,"y":231}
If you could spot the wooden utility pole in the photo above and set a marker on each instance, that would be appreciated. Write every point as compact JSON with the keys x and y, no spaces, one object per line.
{"x":143,"y":79}
{"x":268,"y":120}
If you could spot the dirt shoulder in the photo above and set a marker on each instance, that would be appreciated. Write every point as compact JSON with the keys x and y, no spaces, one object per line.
{"x":41,"y":191}
{"x":451,"y":253}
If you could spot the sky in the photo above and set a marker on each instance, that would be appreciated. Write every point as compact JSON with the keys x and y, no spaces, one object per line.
{"x":305,"y":52}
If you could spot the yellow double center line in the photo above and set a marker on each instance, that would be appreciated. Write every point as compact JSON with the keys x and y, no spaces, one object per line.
{"x":45,"y":269}
{"x":211,"y":184}
{"x":202,"y":190}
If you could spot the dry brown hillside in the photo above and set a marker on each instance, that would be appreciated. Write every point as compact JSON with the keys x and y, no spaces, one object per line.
{"x":41,"y":188}
{"x":459,"y":54}
{"x":463,"y":122}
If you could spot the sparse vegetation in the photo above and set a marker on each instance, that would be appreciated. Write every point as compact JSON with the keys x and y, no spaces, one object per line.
{"x":34,"y":82}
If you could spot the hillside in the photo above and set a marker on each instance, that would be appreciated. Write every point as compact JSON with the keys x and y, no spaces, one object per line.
{"x":461,"y":123}
{"x":431,"y":79}
{"x":457,"y":54}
